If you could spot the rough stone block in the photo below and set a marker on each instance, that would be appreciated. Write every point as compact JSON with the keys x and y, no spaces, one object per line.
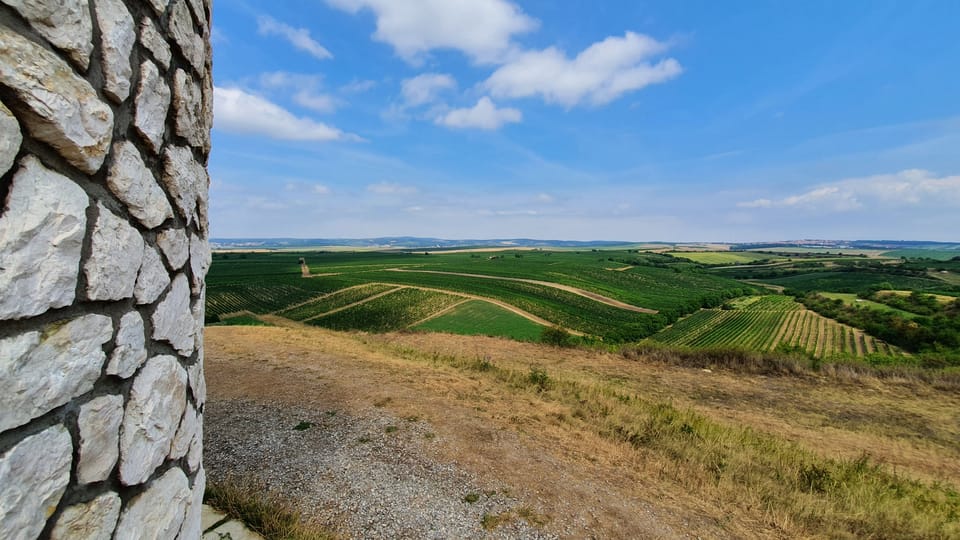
{"x":185,"y":433}
{"x":153,"y":278}
{"x":152,"y":102}
{"x":10,"y":139}
{"x":187,"y":182}
{"x":198,"y":383}
{"x":156,"y":404}
{"x":115,"y":259}
{"x":41,"y":237}
{"x":53,"y":103}
{"x":65,"y":23}
{"x":40,"y":371}
{"x":117,"y":35}
{"x":200,"y":259}
{"x":158,"y":512}
{"x":182,"y":31}
{"x":133,"y":183}
{"x":130,"y":352}
{"x":175,"y":246}
{"x":34,"y":474}
{"x":188,"y":107}
{"x":99,"y":423}
{"x":94,"y":520}
{"x":154,"y":42}
{"x":192,"y":522}
{"x":173,"y":320}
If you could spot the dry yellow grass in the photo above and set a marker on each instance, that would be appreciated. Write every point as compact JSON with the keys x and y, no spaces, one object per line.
{"x":599,"y":437}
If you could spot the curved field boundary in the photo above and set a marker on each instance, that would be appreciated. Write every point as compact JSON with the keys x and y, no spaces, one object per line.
{"x":513,"y":309}
{"x":443,"y":311}
{"x":350,"y":305}
{"x":580,"y":292}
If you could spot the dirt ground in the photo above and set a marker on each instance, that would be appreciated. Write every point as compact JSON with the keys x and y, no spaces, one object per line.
{"x":444,"y":433}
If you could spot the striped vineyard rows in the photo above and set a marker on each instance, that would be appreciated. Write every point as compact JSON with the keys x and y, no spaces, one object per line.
{"x":765,"y":323}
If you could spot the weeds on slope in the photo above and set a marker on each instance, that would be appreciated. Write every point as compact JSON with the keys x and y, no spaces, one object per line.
{"x":761,"y":477}
{"x":262,"y":510}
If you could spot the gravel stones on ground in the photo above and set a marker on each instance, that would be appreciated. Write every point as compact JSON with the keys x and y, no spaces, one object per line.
{"x":367,"y":474}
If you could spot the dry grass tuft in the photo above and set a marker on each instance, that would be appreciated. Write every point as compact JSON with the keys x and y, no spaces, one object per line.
{"x":262,"y":510}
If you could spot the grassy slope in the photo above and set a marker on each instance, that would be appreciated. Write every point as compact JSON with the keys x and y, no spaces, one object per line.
{"x":727,"y":453}
{"x":481,"y":318}
{"x":851,"y":300}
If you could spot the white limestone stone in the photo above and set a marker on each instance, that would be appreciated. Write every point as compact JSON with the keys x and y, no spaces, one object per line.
{"x":175,"y":246}
{"x":200,"y":259}
{"x":94,"y":520}
{"x":130,"y":352}
{"x":181,"y":30}
{"x":65,"y":23}
{"x":41,"y":236}
{"x":156,"y":404}
{"x":159,"y":6}
{"x":192,"y":522}
{"x":173,"y":320}
{"x":187,"y":182}
{"x":10,"y":139}
{"x":198,"y":382}
{"x":154,"y":42}
{"x":99,"y":423}
{"x":57,"y":106}
{"x":158,"y":512}
{"x":153,"y":278}
{"x":188,"y":108}
{"x":152,"y":102}
{"x":117,"y":35}
{"x":199,"y":305}
{"x":34,"y":474}
{"x":196,"y":6}
{"x":185,"y":433}
{"x":133,"y":183}
{"x":42,"y":370}
{"x":115,"y":259}
{"x":195,"y":455}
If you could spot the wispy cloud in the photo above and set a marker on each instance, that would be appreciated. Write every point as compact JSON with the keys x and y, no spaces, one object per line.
{"x":484,"y":115}
{"x":425,"y":88}
{"x":599,"y":74}
{"x":390,"y":188}
{"x":481,"y":29}
{"x":238,"y":111}
{"x":912,"y":187}
{"x":298,"y":37}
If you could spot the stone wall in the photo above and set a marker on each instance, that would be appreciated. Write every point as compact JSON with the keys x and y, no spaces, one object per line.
{"x":105,"y":113}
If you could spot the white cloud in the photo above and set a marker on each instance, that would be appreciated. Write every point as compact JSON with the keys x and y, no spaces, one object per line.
{"x":391,"y":188}
{"x":483,"y":115}
{"x":321,"y":189}
{"x":425,"y":88}
{"x":481,"y":29}
{"x":306,"y":86}
{"x":599,"y":74}
{"x":238,"y":111}
{"x":357,"y":87}
{"x":322,"y":103}
{"x":298,"y":37}
{"x":912,"y":187}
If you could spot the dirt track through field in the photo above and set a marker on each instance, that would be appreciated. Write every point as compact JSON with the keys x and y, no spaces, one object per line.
{"x":579,"y":292}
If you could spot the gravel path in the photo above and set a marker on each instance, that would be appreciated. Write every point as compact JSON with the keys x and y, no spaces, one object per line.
{"x":368,"y":475}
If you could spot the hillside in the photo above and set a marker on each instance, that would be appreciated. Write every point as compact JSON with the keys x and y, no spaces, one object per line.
{"x":515,"y":439}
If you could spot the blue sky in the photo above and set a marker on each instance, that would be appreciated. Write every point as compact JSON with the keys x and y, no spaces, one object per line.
{"x":627,"y":120}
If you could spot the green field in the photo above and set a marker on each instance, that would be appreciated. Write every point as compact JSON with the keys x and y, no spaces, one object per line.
{"x":854,"y":282}
{"x":724,"y":257}
{"x":394,"y":311}
{"x":477,"y":317}
{"x":853,"y":300}
{"x":272,"y":283}
{"x":767,"y":323}
{"x":936,"y":254}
